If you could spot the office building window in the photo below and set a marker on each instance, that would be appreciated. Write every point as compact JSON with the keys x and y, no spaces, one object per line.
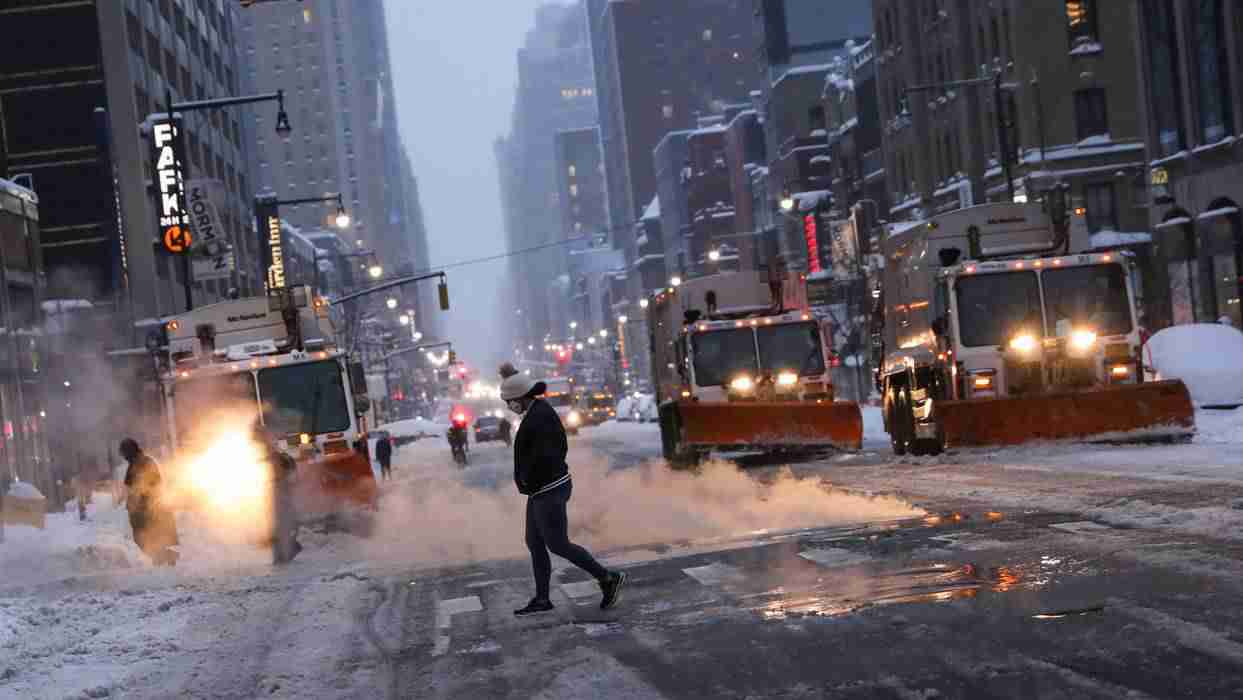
{"x":1214,"y":79}
{"x":1102,"y":207}
{"x":1091,"y":114}
{"x":1164,"y":77}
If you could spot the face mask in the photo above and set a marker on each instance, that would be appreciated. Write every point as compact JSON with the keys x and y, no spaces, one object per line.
{"x":518,"y":406}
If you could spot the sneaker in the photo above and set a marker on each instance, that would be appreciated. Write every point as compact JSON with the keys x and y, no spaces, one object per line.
{"x":535,"y":606}
{"x":612,"y":589}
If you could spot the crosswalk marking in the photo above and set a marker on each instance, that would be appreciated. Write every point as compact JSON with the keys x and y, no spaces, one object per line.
{"x":1082,"y":527}
{"x":581,"y":589}
{"x":715,"y":574}
{"x":445,"y":610}
{"x":833,"y":556}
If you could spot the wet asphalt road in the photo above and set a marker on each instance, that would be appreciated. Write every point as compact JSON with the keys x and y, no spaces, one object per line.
{"x":965,"y":603}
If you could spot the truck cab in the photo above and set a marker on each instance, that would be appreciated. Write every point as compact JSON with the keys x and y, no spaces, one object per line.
{"x":271,"y":359}
{"x":990,"y":304}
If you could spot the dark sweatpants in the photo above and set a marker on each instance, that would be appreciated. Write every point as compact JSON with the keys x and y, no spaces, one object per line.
{"x":548,"y":531}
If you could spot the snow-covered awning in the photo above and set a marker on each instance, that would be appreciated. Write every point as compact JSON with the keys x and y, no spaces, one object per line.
{"x":1218,"y":213}
{"x":1176,"y":221}
{"x":1113,"y":239}
{"x":808,"y":201}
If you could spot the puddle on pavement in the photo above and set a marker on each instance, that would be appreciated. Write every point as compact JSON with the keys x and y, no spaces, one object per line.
{"x":837,"y":589}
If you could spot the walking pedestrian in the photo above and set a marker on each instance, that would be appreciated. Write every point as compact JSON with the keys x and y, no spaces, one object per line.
{"x":285,"y":545}
{"x":155,"y":528}
{"x":384,"y":455}
{"x":542,"y":475}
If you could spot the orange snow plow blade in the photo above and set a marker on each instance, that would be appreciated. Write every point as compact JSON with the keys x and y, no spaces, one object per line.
{"x":744,"y":424}
{"x":1123,"y":413}
{"x":336,"y":481}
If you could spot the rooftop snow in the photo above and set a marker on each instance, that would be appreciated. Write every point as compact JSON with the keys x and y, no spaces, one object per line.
{"x":1111,"y":239}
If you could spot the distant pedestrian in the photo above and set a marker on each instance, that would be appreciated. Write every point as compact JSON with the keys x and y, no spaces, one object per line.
{"x":384,"y":455}
{"x":155,"y":528}
{"x":542,"y":475}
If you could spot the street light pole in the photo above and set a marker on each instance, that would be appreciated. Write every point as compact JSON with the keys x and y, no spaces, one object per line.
{"x":174,"y":145}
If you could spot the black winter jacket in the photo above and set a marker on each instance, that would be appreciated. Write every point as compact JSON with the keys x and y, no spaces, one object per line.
{"x":539,"y":449}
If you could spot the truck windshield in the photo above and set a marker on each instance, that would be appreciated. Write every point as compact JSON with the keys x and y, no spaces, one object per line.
{"x":559,"y":399}
{"x":203,"y":400}
{"x":792,"y":347}
{"x":720,"y":355}
{"x":1092,"y":297}
{"x":307,"y":398}
{"x":992,"y":308}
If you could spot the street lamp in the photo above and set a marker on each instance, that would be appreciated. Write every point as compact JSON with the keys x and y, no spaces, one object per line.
{"x":604,"y":332}
{"x":623,"y":319}
{"x":714,"y":254}
{"x":403,"y":320}
{"x":578,"y":346}
{"x":417,"y":336}
{"x":675,"y":281}
{"x":343,"y":219}
{"x":643,"y":303}
{"x":787,"y":201}
{"x":375,"y":271}
{"x":391,"y":303}
{"x":573,"y":325}
{"x":591,"y":340}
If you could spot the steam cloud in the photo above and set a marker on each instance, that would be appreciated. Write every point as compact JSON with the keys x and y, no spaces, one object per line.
{"x":441,"y":519}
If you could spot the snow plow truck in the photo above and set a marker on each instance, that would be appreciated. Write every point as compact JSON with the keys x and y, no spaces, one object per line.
{"x":740,"y":364}
{"x":271,"y":358}
{"x":992,"y":330}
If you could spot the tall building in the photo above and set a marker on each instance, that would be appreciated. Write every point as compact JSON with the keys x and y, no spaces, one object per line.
{"x":1067,"y":108}
{"x":59,"y":63}
{"x":331,"y":58}
{"x":1192,"y":111}
{"x":555,"y":93}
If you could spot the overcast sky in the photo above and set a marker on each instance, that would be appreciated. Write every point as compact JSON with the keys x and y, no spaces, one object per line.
{"x":454,"y":70}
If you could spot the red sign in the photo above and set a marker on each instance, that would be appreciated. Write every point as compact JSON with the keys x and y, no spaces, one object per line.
{"x":813,"y":246}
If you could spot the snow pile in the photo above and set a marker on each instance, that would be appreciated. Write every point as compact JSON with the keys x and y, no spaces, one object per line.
{"x":1220,"y":427}
{"x":21,"y":489}
{"x":1205,"y":356}
{"x":67,"y":547}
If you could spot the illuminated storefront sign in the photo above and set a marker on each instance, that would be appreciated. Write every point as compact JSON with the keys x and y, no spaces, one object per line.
{"x":169,"y":181}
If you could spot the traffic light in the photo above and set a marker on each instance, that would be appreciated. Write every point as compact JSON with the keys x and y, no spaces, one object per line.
{"x":443,"y":288}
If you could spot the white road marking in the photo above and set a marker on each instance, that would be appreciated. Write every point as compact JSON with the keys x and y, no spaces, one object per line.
{"x":445,"y":610}
{"x":715,"y":574}
{"x":1189,"y":634}
{"x":832,"y":556}
{"x":1082,"y":527}
{"x":581,"y":589}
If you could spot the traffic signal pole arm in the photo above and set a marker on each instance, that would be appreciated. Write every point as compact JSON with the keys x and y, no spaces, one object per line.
{"x":421,"y":347}
{"x":444,"y":289}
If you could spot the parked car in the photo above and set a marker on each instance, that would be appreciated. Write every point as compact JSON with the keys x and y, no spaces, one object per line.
{"x":491,"y":427}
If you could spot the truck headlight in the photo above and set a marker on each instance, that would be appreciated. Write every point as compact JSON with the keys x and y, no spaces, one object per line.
{"x":742,"y":384}
{"x":1082,"y":340}
{"x":1024,"y":343}
{"x":787,"y":379}
{"x":574,"y":418}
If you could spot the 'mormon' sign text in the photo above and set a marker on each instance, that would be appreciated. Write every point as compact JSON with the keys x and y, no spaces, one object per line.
{"x":169,"y":182}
